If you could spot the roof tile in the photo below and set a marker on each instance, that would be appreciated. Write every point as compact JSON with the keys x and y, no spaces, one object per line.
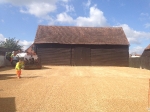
{"x":80,"y":35}
{"x":148,"y":47}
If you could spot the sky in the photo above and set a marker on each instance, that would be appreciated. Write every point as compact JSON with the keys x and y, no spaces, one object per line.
{"x":20,"y":18}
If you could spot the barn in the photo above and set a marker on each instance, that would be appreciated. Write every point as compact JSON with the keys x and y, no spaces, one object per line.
{"x":30,"y":49}
{"x":82,"y":46}
{"x":146,"y":52}
{"x":145,"y":58}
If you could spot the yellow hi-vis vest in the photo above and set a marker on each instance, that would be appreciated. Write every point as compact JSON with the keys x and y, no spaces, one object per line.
{"x":18,"y":66}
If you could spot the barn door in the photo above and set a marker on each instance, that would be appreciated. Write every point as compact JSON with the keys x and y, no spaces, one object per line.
{"x":54,"y":56}
{"x":82,"y":56}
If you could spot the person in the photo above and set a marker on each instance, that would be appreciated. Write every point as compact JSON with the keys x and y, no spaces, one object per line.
{"x":18,"y":68}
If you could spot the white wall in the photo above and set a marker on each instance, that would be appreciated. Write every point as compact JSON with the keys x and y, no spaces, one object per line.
{"x":2,"y":61}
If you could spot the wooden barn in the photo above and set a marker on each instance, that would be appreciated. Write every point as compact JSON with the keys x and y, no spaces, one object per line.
{"x":30,"y":49}
{"x":82,"y":46}
{"x":146,"y":52}
{"x":145,"y":58}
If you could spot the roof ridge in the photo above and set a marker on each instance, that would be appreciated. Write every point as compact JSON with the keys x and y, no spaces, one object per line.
{"x":80,"y":26}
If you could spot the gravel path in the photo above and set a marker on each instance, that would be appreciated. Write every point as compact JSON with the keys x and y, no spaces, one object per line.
{"x":74,"y":89}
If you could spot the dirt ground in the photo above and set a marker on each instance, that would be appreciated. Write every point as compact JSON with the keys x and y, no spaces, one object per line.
{"x":75,"y":89}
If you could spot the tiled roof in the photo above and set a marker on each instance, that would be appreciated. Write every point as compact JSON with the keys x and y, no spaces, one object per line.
{"x":30,"y":49}
{"x":81,"y":35}
{"x":148,"y":47}
{"x":146,"y":52}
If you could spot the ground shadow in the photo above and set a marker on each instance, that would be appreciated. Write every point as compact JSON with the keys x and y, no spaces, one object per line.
{"x":13,"y":76}
{"x":30,"y":77}
{"x":7,"y":76}
{"x":6,"y":68}
{"x":37,"y":68}
{"x":7,"y":104}
{"x":43,"y":67}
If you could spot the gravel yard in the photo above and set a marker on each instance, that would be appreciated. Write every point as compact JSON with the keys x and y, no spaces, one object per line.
{"x":75,"y":89}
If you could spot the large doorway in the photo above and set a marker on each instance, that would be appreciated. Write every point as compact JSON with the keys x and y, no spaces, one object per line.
{"x":82,"y":56}
{"x":55,"y":56}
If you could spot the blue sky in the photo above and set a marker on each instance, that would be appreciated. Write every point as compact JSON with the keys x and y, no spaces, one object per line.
{"x":20,"y":18}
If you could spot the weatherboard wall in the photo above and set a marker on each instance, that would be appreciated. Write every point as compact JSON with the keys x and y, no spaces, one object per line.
{"x":109,"y":56}
{"x":54,"y":54}
{"x":83,"y":55}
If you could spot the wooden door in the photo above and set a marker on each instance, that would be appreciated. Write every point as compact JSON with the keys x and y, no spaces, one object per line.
{"x":55,"y":56}
{"x":82,"y":56}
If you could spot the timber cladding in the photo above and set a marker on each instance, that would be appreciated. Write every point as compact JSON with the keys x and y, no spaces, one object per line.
{"x":55,"y":56}
{"x":82,"y":46}
{"x":83,"y":55}
{"x":145,"y":58}
{"x":109,"y":57}
{"x":146,"y":52}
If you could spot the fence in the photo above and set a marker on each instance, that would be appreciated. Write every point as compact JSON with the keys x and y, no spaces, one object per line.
{"x":141,"y":62}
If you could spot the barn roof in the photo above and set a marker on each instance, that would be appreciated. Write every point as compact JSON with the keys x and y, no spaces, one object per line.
{"x":148,"y":47}
{"x":81,"y":35}
{"x":30,"y":49}
{"x":146,"y":52}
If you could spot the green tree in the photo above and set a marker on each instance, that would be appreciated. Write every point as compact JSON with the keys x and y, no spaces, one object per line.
{"x":11,"y":43}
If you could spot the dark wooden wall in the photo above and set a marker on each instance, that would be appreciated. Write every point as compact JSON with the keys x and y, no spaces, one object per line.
{"x":140,"y":62}
{"x":54,"y":55}
{"x":109,"y":57}
{"x":83,"y":55}
{"x":146,"y":53}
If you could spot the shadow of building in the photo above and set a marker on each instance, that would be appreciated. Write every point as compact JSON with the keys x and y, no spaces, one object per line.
{"x":7,"y":104}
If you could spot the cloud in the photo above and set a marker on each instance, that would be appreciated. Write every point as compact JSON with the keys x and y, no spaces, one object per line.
{"x":42,"y":10}
{"x":144,"y":14}
{"x":2,"y":38}
{"x":69,"y":8}
{"x":65,"y":1}
{"x":134,"y":37}
{"x":147,"y":25}
{"x":87,"y":4}
{"x":137,"y":49}
{"x":2,"y":20}
{"x":64,"y":17}
{"x":25,"y":44}
{"x":27,"y":2}
{"x":39,"y":9}
{"x":96,"y":18}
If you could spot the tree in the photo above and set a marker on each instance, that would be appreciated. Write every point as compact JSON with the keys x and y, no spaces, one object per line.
{"x":11,"y":43}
